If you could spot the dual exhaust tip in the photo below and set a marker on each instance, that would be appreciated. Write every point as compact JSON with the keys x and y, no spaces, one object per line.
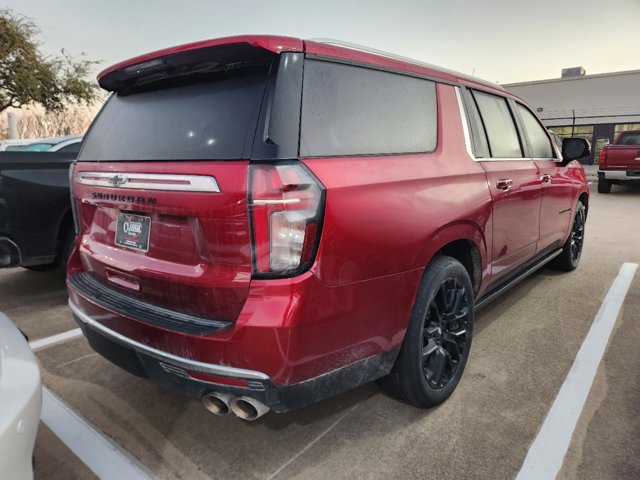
{"x":245,"y":408}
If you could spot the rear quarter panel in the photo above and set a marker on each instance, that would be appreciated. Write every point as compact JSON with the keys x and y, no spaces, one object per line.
{"x":391,"y":214}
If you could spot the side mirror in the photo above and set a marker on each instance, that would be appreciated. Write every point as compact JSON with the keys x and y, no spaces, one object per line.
{"x":574,"y":148}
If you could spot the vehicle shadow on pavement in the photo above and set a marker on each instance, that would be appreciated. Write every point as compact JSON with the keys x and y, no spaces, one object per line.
{"x":22,"y":283}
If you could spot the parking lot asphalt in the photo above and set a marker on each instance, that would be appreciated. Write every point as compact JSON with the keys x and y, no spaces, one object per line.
{"x":524,"y":345}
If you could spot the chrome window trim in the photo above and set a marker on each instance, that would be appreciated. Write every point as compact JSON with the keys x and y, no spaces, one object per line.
{"x":465,"y":124}
{"x":467,"y":137}
{"x":150,"y":181}
{"x":519,"y":159}
{"x":175,"y":360}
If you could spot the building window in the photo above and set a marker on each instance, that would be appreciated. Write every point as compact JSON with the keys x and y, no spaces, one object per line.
{"x":584,"y":131}
{"x":624,"y":127}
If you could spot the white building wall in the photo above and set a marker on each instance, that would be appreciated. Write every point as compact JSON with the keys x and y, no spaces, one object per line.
{"x":595,"y":99}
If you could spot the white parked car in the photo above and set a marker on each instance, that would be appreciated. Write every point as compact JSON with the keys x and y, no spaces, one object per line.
{"x":20,"y":402}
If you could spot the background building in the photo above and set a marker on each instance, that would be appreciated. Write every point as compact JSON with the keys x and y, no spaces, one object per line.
{"x":595,"y":107}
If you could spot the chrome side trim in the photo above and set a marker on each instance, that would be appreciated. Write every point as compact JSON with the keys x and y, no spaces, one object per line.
{"x":150,"y":181}
{"x":284,"y":201}
{"x":515,"y":159}
{"x":185,"y":363}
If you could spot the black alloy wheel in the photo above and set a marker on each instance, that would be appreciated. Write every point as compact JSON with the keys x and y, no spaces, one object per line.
{"x":445,"y":333}
{"x":577,"y":235}
{"x":438,"y":338}
{"x":569,"y":259}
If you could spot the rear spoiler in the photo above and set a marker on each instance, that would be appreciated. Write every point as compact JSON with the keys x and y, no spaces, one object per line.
{"x":200,"y":57}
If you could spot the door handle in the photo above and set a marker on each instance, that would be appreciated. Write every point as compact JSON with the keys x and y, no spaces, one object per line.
{"x":504,"y":184}
{"x":545,"y":178}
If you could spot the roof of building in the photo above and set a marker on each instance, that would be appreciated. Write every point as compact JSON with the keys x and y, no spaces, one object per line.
{"x":571,"y":79}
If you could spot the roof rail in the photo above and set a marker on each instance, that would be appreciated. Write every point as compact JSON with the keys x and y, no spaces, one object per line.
{"x":381,"y":53}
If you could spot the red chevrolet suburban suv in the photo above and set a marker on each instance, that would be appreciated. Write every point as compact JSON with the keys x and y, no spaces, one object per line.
{"x":264,"y":222}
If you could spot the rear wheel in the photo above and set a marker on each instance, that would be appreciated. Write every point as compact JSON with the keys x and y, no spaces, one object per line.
{"x":438,"y":339}
{"x":572,"y":249}
{"x":64,"y":252}
{"x":604,"y":186}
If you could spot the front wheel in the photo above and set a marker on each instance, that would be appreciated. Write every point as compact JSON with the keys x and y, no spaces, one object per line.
{"x":438,"y":339}
{"x":572,"y":249}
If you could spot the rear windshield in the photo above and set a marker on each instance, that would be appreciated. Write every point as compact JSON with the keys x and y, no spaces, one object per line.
{"x":212,"y":120}
{"x":630,"y":139}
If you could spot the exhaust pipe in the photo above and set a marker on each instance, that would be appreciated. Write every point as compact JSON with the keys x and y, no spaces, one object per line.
{"x":217,"y":403}
{"x":248,"y":408}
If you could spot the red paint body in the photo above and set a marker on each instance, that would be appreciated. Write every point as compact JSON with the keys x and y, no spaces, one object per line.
{"x":385,"y":218}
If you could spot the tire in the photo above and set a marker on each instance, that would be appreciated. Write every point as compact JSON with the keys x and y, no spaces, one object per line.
{"x":42,"y":268}
{"x":604,"y":186}
{"x":569,"y":259}
{"x":64,"y":252}
{"x":66,"y":247}
{"x":438,"y":339}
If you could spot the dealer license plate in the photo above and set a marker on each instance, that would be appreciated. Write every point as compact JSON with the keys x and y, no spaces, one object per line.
{"x":132,"y":231}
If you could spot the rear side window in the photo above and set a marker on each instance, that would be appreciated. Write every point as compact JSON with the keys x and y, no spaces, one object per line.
{"x":630,"y":139}
{"x":213,"y":120}
{"x":348,"y":110}
{"x":537,"y":135}
{"x":499,"y":125}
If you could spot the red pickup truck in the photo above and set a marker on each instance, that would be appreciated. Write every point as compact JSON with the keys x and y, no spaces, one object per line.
{"x":620,"y":162}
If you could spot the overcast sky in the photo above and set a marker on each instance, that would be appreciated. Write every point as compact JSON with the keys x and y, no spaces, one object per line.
{"x":499,"y":40}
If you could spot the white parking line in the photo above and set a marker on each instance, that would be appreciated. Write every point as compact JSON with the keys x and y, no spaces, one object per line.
{"x":546,"y":454}
{"x":105,"y":458}
{"x":53,"y":339}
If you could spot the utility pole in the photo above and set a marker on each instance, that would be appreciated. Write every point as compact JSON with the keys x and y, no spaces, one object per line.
{"x":13,"y":126}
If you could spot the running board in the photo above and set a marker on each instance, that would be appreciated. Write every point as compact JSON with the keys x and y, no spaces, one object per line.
{"x":517,"y":279}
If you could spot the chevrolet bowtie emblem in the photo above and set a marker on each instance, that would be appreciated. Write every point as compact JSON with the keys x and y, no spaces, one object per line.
{"x":118,"y":180}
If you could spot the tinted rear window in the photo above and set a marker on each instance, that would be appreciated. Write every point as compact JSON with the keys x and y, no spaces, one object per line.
{"x":348,"y":110}
{"x":630,"y":139}
{"x":213,"y":120}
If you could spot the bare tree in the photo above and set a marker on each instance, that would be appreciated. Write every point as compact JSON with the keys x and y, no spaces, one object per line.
{"x":42,"y":124}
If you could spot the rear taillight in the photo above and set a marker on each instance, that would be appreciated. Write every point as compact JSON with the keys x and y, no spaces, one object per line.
{"x":286,"y":207}
{"x":602,"y":159}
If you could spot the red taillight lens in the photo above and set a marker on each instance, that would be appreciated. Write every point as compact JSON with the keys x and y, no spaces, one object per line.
{"x":286,"y":204}
{"x":602,"y":159}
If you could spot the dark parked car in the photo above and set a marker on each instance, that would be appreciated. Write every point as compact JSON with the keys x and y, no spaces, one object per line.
{"x":266,"y":222}
{"x":36,"y":223}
